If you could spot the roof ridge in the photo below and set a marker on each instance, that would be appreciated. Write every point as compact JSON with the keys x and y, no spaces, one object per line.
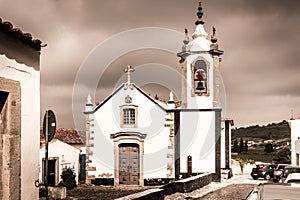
{"x":26,"y":38}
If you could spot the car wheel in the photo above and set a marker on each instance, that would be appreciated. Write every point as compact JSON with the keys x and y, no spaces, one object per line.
{"x":267,"y":177}
{"x":255,"y":178}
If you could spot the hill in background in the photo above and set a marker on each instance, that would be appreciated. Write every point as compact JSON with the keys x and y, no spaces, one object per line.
{"x":274,"y":131}
{"x":258,"y":138}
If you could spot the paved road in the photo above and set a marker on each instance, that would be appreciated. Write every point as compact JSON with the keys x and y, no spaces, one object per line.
{"x":231,"y":186}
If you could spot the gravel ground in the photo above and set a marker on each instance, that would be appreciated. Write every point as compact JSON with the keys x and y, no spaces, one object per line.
{"x":231,"y":192}
{"x":235,"y":188}
{"x":92,"y":192}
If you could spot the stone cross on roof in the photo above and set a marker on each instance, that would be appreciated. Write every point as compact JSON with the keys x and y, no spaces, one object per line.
{"x":128,"y":70}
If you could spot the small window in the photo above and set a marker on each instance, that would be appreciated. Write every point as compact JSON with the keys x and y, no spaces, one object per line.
{"x":129,"y":116}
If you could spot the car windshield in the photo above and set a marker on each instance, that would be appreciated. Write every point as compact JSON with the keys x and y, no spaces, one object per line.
{"x":287,"y":171}
{"x":281,"y":167}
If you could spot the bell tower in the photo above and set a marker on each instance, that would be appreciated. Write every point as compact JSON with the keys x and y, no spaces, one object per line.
{"x":200,"y":59}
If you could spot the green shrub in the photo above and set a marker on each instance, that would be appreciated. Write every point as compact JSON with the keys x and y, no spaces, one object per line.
{"x":68,"y":179}
{"x":42,"y":192}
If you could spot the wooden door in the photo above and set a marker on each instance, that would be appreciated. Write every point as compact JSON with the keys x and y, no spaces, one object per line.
{"x":129,"y":164}
{"x":51,"y":172}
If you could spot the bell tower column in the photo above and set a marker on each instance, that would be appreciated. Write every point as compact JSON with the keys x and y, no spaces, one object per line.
{"x":197,"y":68}
{"x":197,"y":124}
{"x":216,"y":55}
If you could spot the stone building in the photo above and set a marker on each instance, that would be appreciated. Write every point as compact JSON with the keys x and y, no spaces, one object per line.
{"x":64,"y":152}
{"x":19,"y":113}
{"x":61,"y":156}
{"x":133,"y":138}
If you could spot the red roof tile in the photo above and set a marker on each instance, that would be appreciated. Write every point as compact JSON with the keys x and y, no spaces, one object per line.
{"x":26,"y":38}
{"x":67,"y":135}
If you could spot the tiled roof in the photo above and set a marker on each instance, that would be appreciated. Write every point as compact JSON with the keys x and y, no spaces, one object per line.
{"x":26,"y":38}
{"x":67,"y":135}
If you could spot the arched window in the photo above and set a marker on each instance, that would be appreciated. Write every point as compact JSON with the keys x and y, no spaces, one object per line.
{"x":200,"y":77}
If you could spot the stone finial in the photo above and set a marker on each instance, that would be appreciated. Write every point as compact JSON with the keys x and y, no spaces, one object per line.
{"x":186,"y":41}
{"x":199,"y":32}
{"x":89,"y":100}
{"x":171,"y":97}
{"x":214,"y":39}
{"x":200,"y":15}
{"x":171,"y":102}
{"x":89,"y":104}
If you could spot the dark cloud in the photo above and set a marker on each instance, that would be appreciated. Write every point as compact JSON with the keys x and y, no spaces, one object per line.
{"x":260,"y":39}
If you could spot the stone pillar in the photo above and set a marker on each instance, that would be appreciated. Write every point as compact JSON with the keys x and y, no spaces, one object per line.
{"x":189,"y":166}
{"x":177,"y":143}
{"x":183,"y":85}
{"x":89,"y":136}
{"x":217,"y":176}
{"x":216,"y":100}
{"x":10,"y":135}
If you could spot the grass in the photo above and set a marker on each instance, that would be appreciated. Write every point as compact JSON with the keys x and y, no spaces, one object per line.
{"x":257,"y":154}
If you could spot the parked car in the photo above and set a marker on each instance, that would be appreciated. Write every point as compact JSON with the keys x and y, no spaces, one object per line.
{"x":274,"y":191}
{"x":263,"y":171}
{"x":293,"y":178}
{"x":288,"y":170}
{"x":278,"y":171}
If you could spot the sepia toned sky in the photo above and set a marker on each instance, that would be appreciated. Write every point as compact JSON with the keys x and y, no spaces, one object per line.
{"x":261,"y":39}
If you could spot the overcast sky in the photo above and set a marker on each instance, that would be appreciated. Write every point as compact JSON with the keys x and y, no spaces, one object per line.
{"x":261,"y":40}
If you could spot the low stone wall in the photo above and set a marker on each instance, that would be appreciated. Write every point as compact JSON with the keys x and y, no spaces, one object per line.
{"x":183,"y":186}
{"x":57,"y":192}
{"x":188,"y":184}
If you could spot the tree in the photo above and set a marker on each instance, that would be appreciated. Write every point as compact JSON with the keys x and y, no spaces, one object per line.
{"x":235,"y":146}
{"x":68,"y":179}
{"x":283,"y":156}
{"x":246,"y":145}
{"x":241,"y":146}
{"x":268,"y":148}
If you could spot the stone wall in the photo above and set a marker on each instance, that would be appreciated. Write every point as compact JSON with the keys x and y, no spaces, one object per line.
{"x":182,"y":186}
{"x":10,"y":136}
{"x":189,"y":184}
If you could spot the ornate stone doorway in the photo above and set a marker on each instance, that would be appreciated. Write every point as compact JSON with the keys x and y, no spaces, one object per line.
{"x":129,"y":155}
{"x":129,"y":164}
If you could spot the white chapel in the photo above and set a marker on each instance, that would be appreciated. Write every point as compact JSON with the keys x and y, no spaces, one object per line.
{"x":132,"y":137}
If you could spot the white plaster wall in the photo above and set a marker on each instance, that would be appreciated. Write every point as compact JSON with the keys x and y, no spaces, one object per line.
{"x":56,"y":149}
{"x":197,"y":139}
{"x":295,"y":133}
{"x":155,"y":158}
{"x":197,"y":102}
{"x":151,"y":119}
{"x":29,"y":79}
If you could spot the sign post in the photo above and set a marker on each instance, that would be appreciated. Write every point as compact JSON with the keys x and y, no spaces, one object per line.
{"x":49,"y":128}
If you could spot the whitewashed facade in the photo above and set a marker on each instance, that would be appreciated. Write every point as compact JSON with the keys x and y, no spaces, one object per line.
{"x":107,"y":132}
{"x":295,"y":141}
{"x":20,"y":113}
{"x":61,"y":155}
